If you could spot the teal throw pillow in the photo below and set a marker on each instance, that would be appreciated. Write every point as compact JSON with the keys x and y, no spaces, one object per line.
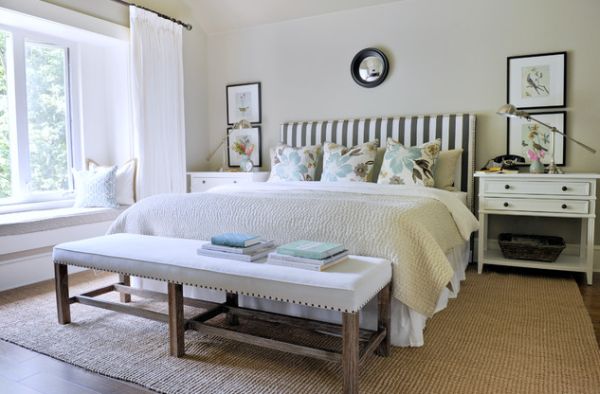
{"x":349,"y":164}
{"x":409,"y":165}
{"x":294,"y":164}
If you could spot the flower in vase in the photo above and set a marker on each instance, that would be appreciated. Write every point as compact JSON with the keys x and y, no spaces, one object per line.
{"x":533,"y":155}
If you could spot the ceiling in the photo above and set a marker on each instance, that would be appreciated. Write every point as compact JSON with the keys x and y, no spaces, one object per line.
{"x":218,"y":16}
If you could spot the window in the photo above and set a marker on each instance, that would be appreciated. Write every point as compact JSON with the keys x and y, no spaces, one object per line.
{"x":36,"y":148}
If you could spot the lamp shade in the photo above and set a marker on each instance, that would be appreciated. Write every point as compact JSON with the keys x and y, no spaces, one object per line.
{"x":510,"y":111}
{"x":242,"y":124}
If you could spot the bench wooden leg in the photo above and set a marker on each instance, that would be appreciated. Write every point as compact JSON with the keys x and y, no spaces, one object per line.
{"x":232,"y":300}
{"x":61,"y":282}
{"x":176,"y":321}
{"x":350,"y":352}
{"x":125,"y":280}
{"x":384,"y":319}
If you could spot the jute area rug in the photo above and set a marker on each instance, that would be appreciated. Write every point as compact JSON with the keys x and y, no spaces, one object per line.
{"x":505,"y":333}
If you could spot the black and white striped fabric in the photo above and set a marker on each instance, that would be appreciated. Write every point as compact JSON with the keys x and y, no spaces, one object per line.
{"x":455,"y":131}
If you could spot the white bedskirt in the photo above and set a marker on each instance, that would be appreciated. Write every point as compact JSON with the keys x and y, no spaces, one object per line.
{"x":407,"y":324}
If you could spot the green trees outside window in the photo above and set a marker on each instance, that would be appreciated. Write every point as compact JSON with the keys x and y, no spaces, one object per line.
{"x":45,"y":133}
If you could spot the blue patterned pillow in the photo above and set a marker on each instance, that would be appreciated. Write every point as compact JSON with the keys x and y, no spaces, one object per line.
{"x":409,"y":165}
{"x":294,"y":164}
{"x":348,"y":164}
{"x":96,"y":188}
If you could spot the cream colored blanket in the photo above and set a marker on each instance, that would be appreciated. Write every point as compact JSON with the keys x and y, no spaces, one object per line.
{"x":413,"y":227}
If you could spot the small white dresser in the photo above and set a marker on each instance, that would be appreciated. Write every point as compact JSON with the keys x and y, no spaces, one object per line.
{"x":202,"y":181}
{"x":557,"y":195}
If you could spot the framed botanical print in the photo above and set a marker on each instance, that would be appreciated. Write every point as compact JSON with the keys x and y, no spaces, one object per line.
{"x":532,"y":140}
{"x":537,"y":81}
{"x":243,"y":102}
{"x":244,"y":143}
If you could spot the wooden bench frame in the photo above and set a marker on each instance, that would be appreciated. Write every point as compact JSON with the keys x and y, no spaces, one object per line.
{"x":351,"y":356}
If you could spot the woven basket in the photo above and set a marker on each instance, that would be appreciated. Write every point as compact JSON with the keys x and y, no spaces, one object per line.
{"x":531,"y":247}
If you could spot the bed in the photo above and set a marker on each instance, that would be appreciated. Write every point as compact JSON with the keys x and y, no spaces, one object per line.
{"x":424,"y":231}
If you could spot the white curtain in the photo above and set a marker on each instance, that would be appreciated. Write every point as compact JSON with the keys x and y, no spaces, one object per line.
{"x":158,"y":105}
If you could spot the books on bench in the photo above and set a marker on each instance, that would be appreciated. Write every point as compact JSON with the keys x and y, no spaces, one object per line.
{"x":237,"y":240}
{"x":308,"y":264}
{"x":316,"y":256}
{"x":237,"y":250}
{"x":310,"y":249}
{"x":223,"y":246}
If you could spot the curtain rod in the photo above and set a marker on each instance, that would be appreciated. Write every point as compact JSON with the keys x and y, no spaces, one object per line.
{"x":186,"y":25}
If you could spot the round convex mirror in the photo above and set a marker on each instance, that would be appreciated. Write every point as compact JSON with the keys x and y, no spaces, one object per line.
{"x":369,"y":67}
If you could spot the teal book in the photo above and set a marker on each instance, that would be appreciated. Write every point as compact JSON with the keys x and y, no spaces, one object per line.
{"x":310,"y":249}
{"x":236,"y":240}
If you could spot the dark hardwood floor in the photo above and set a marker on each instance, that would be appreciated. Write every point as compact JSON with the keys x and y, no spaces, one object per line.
{"x":26,"y":372}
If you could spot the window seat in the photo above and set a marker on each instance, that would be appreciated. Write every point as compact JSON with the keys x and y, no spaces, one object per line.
{"x":27,"y":239}
{"x":50,"y":219}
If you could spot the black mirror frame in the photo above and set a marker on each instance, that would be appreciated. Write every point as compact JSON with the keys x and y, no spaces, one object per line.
{"x":355,"y":66}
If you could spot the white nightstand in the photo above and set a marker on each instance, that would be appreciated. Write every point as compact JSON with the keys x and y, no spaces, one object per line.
{"x":563,"y":196}
{"x":202,"y":181}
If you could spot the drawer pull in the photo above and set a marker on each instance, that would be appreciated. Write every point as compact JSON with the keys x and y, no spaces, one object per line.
{"x":234,"y":181}
{"x":564,"y":206}
{"x":203,"y":181}
{"x":564,"y":188}
{"x":507,"y":187}
{"x":505,"y":205}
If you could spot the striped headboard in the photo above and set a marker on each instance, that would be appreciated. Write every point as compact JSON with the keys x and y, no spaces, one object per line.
{"x":455,"y":131}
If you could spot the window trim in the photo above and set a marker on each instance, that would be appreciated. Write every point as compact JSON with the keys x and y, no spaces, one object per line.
{"x":18,"y":111}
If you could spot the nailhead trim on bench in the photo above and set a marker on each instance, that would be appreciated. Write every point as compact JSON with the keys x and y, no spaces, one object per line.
{"x":226,"y":290}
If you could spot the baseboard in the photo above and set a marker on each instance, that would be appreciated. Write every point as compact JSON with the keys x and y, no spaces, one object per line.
{"x":27,"y":270}
{"x":27,"y":258}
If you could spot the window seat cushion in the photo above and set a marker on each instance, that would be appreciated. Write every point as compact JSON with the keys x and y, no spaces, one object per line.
{"x":50,"y":219}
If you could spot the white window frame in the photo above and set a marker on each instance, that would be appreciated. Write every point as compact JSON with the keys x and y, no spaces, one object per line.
{"x":18,"y":114}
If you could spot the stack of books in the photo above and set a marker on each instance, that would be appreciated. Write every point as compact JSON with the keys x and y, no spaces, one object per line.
{"x":309,"y":255}
{"x":237,"y":246}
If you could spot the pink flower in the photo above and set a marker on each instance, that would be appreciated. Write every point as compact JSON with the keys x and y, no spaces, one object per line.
{"x":249,"y":150}
{"x":542,"y":154}
{"x":533,"y":156}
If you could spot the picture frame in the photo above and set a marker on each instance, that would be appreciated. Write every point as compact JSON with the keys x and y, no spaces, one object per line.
{"x":253,"y":136}
{"x":537,"y":81}
{"x":519,"y":143}
{"x":244,"y":102}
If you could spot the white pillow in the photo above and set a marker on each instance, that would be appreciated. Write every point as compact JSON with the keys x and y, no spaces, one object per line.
{"x":95,"y":189}
{"x":125,"y":180}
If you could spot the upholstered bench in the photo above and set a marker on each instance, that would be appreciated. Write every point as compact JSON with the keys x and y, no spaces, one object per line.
{"x":345,"y":287}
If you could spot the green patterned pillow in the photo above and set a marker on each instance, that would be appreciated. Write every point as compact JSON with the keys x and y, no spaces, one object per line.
{"x":348,"y":164}
{"x":294,"y":164}
{"x":409,"y":166}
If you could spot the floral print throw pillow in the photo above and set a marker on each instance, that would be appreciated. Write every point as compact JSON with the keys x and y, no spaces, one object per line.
{"x":348,"y":164}
{"x":409,"y":166}
{"x":294,"y":164}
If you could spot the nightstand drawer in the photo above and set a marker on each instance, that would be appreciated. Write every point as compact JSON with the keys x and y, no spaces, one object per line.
{"x":536,"y":205}
{"x":525,"y":187}
{"x":201,"y":184}
{"x":203,"y":181}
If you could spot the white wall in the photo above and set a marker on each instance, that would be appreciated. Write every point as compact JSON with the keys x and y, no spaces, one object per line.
{"x":446,"y":56}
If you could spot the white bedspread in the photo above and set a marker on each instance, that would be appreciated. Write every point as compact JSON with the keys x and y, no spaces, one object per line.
{"x":414,"y":227}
